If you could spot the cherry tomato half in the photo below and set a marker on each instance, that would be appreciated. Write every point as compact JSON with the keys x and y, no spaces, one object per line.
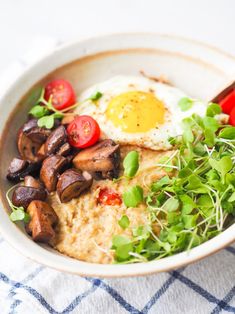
{"x":109,"y":197}
{"x":83,"y":132}
{"x":228,"y":103}
{"x":62,"y":93}
{"x":232,"y":117}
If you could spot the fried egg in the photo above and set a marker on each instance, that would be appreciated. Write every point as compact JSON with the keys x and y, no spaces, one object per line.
{"x":137,"y":111}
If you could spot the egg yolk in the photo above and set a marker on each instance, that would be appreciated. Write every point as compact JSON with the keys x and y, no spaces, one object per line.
{"x":135,"y":111}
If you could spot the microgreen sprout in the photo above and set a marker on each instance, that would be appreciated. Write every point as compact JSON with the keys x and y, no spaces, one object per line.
{"x":185,"y":103}
{"x":194,"y":204}
{"x":133,"y":196}
{"x":124,"y":222}
{"x":46,"y":113}
{"x":18,"y":213}
{"x":131,"y":164}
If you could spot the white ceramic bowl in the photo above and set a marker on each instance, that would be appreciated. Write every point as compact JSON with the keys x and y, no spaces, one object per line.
{"x":197,"y":69}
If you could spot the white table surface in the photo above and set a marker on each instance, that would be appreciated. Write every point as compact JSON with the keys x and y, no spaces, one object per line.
{"x":211,"y":21}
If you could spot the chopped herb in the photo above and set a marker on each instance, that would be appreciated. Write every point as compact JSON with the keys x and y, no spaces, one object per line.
{"x":124,"y":222}
{"x":96,"y":96}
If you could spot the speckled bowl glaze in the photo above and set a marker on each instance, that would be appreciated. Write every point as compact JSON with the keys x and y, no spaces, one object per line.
{"x":196,"y":68}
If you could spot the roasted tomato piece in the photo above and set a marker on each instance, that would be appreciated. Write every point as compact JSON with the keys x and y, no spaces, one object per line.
{"x":228,"y":103}
{"x":62,"y":93}
{"x":109,"y":197}
{"x":232,"y":117}
{"x":83,"y":132}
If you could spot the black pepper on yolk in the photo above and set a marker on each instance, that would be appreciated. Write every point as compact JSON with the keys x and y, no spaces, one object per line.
{"x":136,"y":111}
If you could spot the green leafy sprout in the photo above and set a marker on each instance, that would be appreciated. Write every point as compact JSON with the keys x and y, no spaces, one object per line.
{"x":18,"y":213}
{"x":131,"y":164}
{"x":124,"y":222}
{"x":46,"y":113}
{"x":133,"y":196}
{"x":194,"y":204}
{"x":185,"y":103}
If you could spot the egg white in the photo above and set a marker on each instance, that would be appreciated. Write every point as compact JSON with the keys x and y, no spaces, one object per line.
{"x":157,"y":138}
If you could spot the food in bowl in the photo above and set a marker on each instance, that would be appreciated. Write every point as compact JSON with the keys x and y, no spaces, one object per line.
{"x":131,"y":171}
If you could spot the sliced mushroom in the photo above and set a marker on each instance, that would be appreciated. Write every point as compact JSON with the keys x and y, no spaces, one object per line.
{"x":41,"y":154}
{"x":72,"y":183}
{"x":73,"y":152}
{"x":29,"y":125}
{"x":34,"y":132}
{"x":19,"y":168}
{"x":30,"y":138}
{"x":23,"y":195}
{"x":39,"y":135}
{"x":43,"y":219}
{"x":64,"y":150}
{"x":57,"y":138}
{"x":27,"y":148}
{"x":16,"y":168}
{"x":102,"y":159}
{"x":57,"y":123}
{"x":70,"y":158}
{"x":52,"y":166}
{"x":32,"y":182}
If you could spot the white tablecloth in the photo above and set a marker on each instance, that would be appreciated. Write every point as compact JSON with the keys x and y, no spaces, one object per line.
{"x":205,"y":287}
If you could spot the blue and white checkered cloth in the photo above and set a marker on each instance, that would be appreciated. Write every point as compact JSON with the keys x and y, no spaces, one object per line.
{"x":205,"y":287}
{"x":28,"y":288}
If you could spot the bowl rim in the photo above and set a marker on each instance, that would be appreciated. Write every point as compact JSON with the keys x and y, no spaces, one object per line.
{"x":38,"y":254}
